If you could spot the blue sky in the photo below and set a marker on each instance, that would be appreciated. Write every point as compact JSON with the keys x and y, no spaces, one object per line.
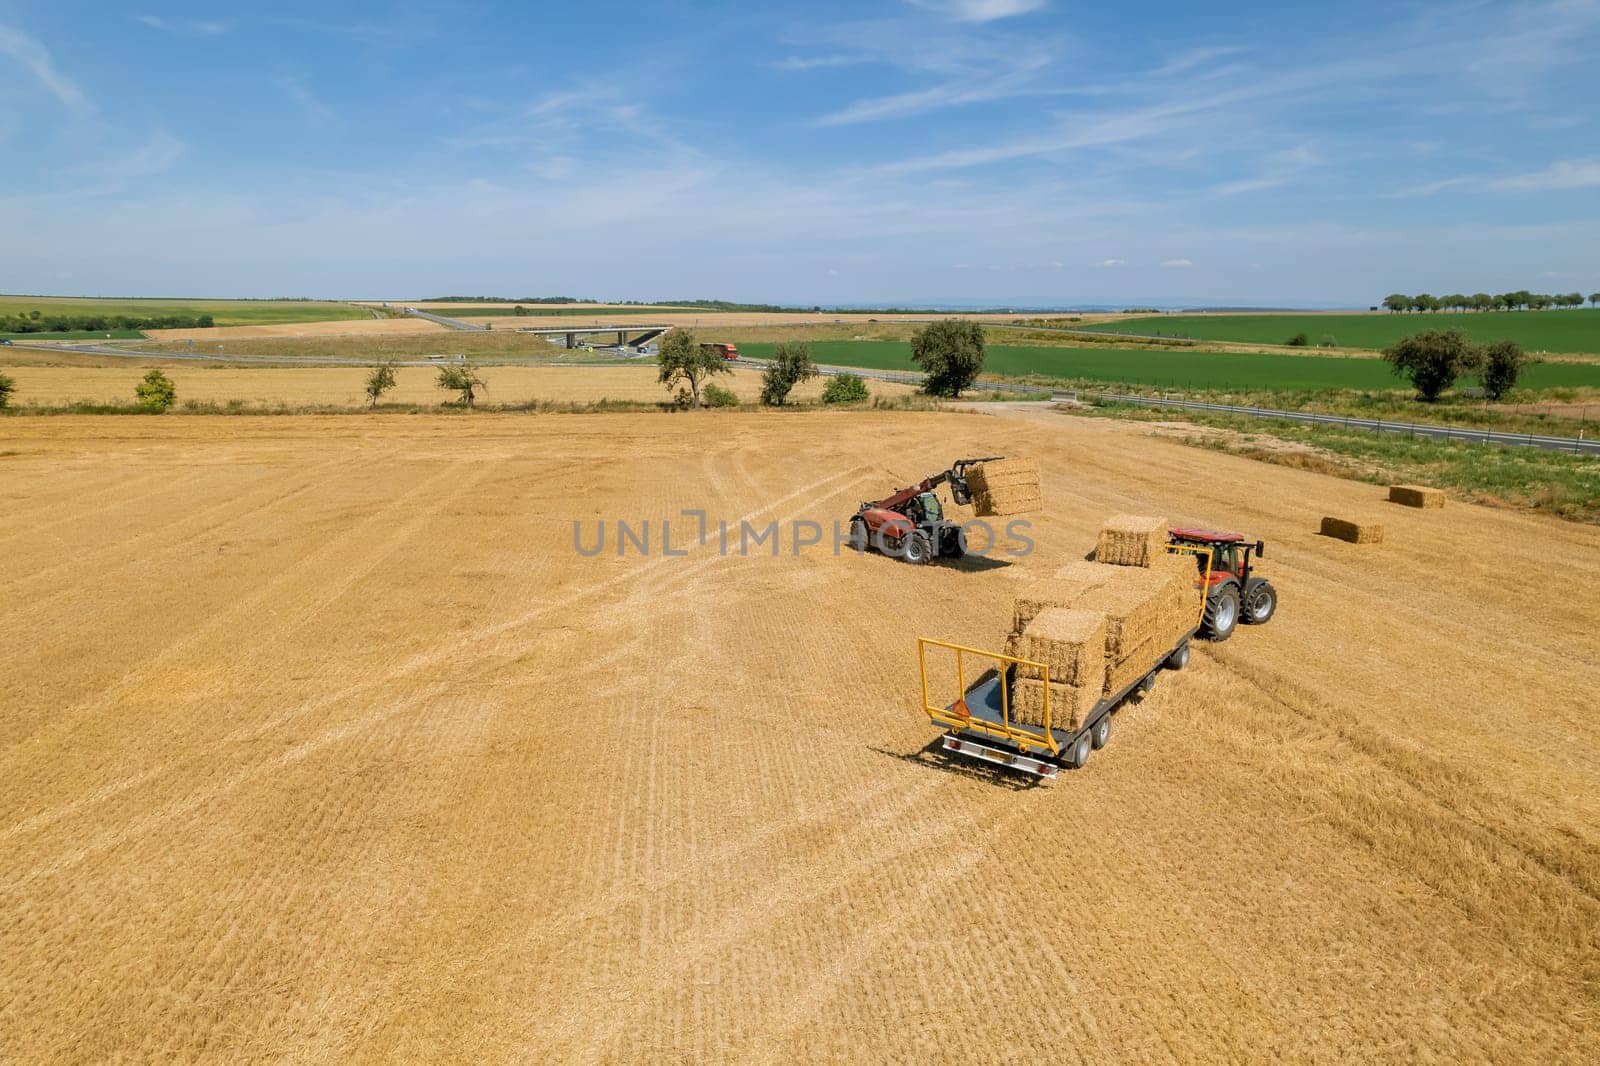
{"x":978,"y":151}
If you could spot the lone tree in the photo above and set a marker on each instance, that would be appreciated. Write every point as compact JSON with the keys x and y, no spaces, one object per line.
{"x":684,"y":362}
{"x":380,"y":381}
{"x":1594,"y":299}
{"x":156,"y":392}
{"x":8,"y":385}
{"x":1431,"y":360}
{"x":1500,"y":364}
{"x":791,"y":364}
{"x":462,"y":378}
{"x":951,"y":353}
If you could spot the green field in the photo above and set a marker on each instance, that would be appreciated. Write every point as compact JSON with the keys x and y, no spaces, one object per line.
{"x":1185,"y":369}
{"x":224,"y":312}
{"x":1575,"y":330}
{"x":77,"y":335}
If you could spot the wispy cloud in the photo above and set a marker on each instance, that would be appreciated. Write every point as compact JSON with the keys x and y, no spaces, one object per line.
{"x":189,"y":26}
{"x":35,"y":58}
{"x":1110,"y":263}
{"x":1177,"y":264}
{"x":979,"y":10}
{"x":1563,"y":174}
{"x":820,"y":62}
{"x":296,"y":89}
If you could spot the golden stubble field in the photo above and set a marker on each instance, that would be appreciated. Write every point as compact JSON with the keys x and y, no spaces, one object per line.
{"x":345,"y":386}
{"x":320,"y":740}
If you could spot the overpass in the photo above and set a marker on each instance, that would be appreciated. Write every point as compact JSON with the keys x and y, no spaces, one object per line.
{"x":627,"y":336}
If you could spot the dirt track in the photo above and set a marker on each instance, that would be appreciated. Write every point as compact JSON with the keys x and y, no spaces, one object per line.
{"x":320,"y":740}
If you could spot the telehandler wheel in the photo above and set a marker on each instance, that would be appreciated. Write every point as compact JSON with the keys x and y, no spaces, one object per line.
{"x":1262,"y":604}
{"x":1078,"y":754}
{"x":915,"y":549}
{"x":1100,"y":735}
{"x":858,"y":534}
{"x":1179,"y":657}
{"x":1222,"y":613}
{"x":953,"y":542}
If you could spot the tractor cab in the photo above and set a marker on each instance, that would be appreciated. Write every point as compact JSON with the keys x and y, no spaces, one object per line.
{"x":925,"y":508}
{"x":1234,"y":594}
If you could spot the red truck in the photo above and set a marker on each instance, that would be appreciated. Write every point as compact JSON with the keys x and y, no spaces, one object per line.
{"x":727,"y":351}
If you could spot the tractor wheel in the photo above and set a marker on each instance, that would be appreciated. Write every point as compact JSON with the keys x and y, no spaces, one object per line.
{"x":1222,"y":613}
{"x":1179,"y":657}
{"x":858,"y":535}
{"x":1100,"y":735}
{"x":953,"y":542}
{"x":1262,"y":604}
{"x":1078,"y":754}
{"x":915,"y":548}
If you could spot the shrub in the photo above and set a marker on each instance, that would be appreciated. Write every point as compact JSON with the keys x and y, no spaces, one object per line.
{"x":1431,"y":360}
{"x":951,"y":353}
{"x":717,"y":396}
{"x":1327,"y":341}
{"x":156,"y":392}
{"x":1500,"y":365}
{"x":462,"y":378}
{"x":791,"y":364}
{"x":380,"y":381}
{"x":8,"y":385}
{"x":1299,"y":340}
{"x":845,"y":388}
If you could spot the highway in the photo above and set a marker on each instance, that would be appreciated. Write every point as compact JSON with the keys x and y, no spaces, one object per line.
{"x":448,"y":323}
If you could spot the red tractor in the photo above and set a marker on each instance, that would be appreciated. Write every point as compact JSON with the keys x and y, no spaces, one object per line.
{"x":909,"y":524}
{"x":1235,"y":594}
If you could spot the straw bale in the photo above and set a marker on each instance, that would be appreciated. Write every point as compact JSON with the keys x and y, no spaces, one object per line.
{"x":1354,"y":532}
{"x":1131,"y":540}
{"x":1416,"y":496}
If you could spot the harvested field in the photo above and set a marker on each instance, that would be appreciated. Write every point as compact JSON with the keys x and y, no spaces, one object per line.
{"x":1416,"y":496}
{"x":1362,"y":532}
{"x":321,"y":741}
{"x":359,"y":327}
{"x":345,"y":386}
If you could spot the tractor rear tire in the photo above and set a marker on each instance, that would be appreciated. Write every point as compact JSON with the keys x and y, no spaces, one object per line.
{"x":915,"y":548}
{"x":1078,"y":754}
{"x":1262,"y":604}
{"x":1100,"y":735}
{"x":1222,"y":613}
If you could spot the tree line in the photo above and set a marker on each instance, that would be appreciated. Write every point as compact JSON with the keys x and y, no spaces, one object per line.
{"x":1522,"y":299}
{"x":36,"y":322}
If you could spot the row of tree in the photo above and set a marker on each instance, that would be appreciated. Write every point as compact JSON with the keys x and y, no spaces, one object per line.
{"x":37,"y":322}
{"x":1522,"y":299}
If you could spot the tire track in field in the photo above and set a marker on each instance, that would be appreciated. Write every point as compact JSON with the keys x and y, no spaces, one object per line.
{"x":417,"y":662}
{"x":99,"y":512}
{"x":180,"y":529}
{"x":143,"y":825}
{"x":373,"y":556}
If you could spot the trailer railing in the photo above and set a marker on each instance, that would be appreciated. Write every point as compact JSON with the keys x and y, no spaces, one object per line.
{"x":956,"y":715}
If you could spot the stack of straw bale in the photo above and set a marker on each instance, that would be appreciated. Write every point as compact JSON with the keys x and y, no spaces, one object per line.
{"x":1004,"y":487}
{"x":1131,"y":540}
{"x":1071,"y":645}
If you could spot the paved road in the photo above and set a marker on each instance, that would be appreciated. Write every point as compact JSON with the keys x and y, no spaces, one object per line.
{"x":201,"y":355}
{"x":448,"y":323}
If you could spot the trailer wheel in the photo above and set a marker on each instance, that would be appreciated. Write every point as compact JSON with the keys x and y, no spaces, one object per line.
{"x":1148,"y":683}
{"x":1179,"y":657}
{"x":1078,"y":754}
{"x":1100,"y":735}
{"x":915,"y":549}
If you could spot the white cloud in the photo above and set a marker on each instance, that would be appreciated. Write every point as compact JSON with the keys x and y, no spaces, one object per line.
{"x":1109,"y":263}
{"x":820,"y":62}
{"x":314,"y":108}
{"x":1177,"y":263}
{"x":195,"y":27}
{"x":1563,"y":174}
{"x":979,"y":10}
{"x":36,"y":59}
